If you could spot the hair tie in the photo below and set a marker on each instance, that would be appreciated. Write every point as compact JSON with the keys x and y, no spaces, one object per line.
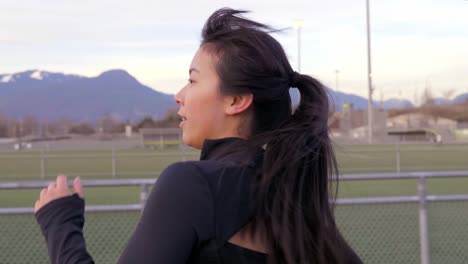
{"x":293,"y":79}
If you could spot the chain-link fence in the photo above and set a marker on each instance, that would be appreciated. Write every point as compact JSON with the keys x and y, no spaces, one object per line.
{"x":388,"y":229}
{"x":382,"y":233}
{"x":448,"y":232}
{"x":106,"y":234}
{"x":140,"y":163}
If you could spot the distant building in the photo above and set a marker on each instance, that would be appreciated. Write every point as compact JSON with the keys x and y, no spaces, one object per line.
{"x":415,"y":135}
{"x":461,"y":133}
{"x":352,"y":124}
{"x":421,"y":127}
{"x":161,"y":137}
{"x":418,"y":120}
{"x":462,"y":123}
{"x":128,"y":131}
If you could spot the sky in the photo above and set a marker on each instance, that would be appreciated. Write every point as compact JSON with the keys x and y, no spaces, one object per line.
{"x":415,"y":43}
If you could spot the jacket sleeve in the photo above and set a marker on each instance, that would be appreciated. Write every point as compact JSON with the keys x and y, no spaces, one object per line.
{"x":61,"y":222}
{"x":176,"y":217}
{"x":178,"y":213}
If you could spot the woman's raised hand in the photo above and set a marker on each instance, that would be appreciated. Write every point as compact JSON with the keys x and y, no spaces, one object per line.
{"x":57,"y":190}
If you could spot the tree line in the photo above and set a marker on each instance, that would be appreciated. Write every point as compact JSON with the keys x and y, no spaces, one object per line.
{"x":13,"y":127}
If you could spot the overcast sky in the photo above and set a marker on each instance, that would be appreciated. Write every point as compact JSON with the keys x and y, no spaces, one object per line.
{"x":415,"y":43}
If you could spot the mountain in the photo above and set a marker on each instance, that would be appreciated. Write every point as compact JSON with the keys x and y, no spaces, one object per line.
{"x":461,"y":98}
{"x":337,"y":99}
{"x":35,"y":76}
{"x":340,"y":98}
{"x":51,"y":96}
{"x":397,"y":104}
{"x":359,"y":102}
{"x":441,"y":101}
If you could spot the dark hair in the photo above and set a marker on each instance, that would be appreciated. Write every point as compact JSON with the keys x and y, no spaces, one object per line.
{"x":293,"y":190}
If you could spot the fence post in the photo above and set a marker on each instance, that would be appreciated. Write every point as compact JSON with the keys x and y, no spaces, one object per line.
{"x":43,"y":169}
{"x":161,"y":142}
{"x":143,"y":194}
{"x":423,"y":223}
{"x":113,"y":163}
{"x":182,"y":147}
{"x":398,"y":158}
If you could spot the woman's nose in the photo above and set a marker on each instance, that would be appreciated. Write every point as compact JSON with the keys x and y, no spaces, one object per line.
{"x":178,"y":97}
{"x":177,"y":100}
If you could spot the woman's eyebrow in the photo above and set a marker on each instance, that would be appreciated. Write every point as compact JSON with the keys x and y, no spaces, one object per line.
{"x":193,"y":69}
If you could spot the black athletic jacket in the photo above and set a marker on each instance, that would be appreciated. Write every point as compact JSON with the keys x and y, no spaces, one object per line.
{"x":192,"y":211}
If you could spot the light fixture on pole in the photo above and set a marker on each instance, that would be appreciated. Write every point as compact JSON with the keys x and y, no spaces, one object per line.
{"x":299,"y":24}
{"x":337,"y":72}
{"x":369,"y":79}
{"x":428,"y":82}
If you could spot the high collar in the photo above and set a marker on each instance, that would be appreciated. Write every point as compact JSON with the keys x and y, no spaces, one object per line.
{"x":219,"y":148}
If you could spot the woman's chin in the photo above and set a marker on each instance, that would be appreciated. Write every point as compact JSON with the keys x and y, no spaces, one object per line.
{"x":186,"y":140}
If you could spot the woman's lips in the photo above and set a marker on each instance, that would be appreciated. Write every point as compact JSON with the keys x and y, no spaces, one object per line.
{"x":184,"y":119}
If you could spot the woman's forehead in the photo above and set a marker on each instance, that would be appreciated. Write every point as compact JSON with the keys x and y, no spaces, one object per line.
{"x":202,"y":62}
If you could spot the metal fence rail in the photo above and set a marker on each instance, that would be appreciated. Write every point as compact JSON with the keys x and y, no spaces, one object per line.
{"x":422,"y":199}
{"x":118,"y":163}
{"x":143,"y":183}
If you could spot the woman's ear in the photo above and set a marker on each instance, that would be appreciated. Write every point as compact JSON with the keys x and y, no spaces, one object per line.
{"x":236,"y":104}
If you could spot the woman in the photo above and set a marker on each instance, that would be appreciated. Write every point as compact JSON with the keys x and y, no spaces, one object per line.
{"x":260,"y":192}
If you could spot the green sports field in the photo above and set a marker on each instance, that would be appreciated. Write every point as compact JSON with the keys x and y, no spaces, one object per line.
{"x":380,"y":233}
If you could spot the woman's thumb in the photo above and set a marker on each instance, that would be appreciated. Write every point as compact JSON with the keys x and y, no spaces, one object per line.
{"x":77,"y":187}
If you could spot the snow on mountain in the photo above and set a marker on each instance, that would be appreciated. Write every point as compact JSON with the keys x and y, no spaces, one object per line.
{"x":7,"y":78}
{"x":37,"y":75}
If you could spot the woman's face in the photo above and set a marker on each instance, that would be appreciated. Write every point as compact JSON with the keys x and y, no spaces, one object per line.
{"x":201,"y":103}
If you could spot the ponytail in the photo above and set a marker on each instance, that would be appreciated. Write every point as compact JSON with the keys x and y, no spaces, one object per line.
{"x":293,"y":187}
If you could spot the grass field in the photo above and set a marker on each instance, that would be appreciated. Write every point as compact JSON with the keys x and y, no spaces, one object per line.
{"x":148,"y":163}
{"x":380,"y":233}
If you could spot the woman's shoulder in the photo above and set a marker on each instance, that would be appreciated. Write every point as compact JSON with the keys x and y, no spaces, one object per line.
{"x":205,"y":170}
{"x":183,"y":185}
{"x":211,"y":177}
{"x":183,"y":174}
{"x":189,"y":176}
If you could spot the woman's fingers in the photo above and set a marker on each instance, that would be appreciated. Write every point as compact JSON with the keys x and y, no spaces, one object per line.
{"x":62,"y":182}
{"x":43,"y":193}
{"x":54,"y":190}
{"x":36,"y":205}
{"x":51,"y":187}
{"x":61,"y":187}
{"x":78,"y":187}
